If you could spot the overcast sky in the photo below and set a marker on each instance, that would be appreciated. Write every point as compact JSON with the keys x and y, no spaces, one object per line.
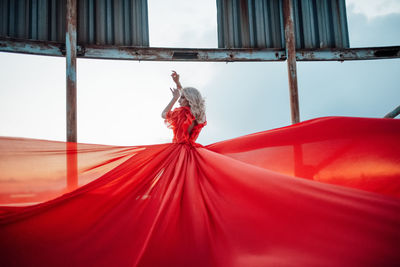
{"x":120,"y":102}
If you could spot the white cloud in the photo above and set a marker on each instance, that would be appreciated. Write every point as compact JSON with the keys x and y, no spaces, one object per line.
{"x":374,"y":8}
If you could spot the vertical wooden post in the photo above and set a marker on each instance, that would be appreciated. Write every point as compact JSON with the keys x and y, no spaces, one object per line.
{"x":70,"y":45}
{"x":291,"y":59}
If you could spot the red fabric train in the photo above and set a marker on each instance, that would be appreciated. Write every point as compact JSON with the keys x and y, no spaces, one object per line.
{"x":240,"y":202}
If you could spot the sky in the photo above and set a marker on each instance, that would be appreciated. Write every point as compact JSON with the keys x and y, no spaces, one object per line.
{"x":120,"y":102}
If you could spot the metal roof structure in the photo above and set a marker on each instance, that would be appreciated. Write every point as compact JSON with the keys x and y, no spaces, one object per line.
{"x":100,"y":22}
{"x":260,"y":24}
{"x":118,"y":29}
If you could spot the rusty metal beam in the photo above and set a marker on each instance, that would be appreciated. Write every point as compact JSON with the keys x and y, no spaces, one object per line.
{"x":393,"y":113}
{"x":365,"y":53}
{"x":291,"y":60}
{"x":183,"y":54}
{"x":238,"y":54}
{"x":192,"y":54}
{"x":71,"y":53}
{"x":13,"y":45}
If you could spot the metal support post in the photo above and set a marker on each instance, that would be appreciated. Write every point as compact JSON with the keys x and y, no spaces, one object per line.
{"x":291,"y":60}
{"x":70,"y":46}
{"x":393,"y":113}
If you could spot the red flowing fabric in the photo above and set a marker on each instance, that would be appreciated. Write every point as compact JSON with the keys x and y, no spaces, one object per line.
{"x":240,"y":202}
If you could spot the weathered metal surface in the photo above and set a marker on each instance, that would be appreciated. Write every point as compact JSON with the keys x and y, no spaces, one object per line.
{"x":103,"y":22}
{"x":250,"y":23}
{"x":393,"y":113}
{"x":32,"y":47}
{"x":322,"y":24}
{"x":33,"y":19}
{"x":365,"y":53}
{"x":183,"y":54}
{"x":291,"y":60}
{"x":260,"y":23}
{"x":113,"y":22}
{"x":70,"y":47}
{"x":203,"y":54}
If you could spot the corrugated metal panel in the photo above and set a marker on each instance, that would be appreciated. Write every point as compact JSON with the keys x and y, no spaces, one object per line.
{"x":102,"y":22}
{"x":113,"y":22}
{"x":33,"y":19}
{"x":259,"y":24}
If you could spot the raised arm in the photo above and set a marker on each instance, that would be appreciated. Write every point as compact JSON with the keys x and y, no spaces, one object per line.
{"x":175,"y":94}
{"x":175,"y":78}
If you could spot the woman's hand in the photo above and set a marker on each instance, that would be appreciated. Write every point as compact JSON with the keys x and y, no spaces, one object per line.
{"x":175,"y":96}
{"x":175,"y":93}
{"x":175,"y":78}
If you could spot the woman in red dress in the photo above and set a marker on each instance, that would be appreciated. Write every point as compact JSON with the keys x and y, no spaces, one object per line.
{"x":320,"y":193}
{"x":188,"y":120}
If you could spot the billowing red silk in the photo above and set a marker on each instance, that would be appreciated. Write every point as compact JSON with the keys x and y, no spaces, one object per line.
{"x":240,"y":202}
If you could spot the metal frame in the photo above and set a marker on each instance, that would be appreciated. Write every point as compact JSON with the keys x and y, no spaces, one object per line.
{"x":290,"y":40}
{"x":196,"y":54}
{"x":393,"y":113}
{"x":72,"y":132}
{"x":71,"y":52}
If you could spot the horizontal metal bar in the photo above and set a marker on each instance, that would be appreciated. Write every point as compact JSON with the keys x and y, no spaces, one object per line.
{"x":32,"y":47}
{"x":193,"y":54}
{"x":184,"y":54}
{"x":366,"y":53}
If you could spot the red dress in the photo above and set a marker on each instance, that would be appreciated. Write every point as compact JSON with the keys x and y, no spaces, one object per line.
{"x":179,"y":120}
{"x":319,"y":193}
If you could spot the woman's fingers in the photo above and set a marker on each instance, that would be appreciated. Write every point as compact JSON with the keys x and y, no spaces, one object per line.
{"x":174,"y":75}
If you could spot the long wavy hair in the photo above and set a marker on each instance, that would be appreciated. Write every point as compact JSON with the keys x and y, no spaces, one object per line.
{"x":196,"y":103}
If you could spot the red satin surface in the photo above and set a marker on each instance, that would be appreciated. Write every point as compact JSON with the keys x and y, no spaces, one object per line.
{"x":235,"y":203}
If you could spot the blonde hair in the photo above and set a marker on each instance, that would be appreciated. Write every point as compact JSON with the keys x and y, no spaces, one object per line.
{"x":196,"y":103}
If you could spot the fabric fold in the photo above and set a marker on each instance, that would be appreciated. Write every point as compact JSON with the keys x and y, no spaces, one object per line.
{"x":321,"y":193}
